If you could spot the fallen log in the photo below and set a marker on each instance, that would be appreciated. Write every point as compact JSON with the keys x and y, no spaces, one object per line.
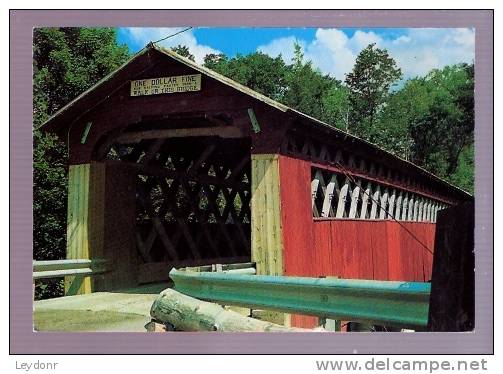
{"x":184,"y":313}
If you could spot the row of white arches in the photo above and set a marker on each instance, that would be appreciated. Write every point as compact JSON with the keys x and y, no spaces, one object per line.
{"x":335,"y":195}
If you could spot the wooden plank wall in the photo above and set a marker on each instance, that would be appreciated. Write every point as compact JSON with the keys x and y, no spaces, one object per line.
{"x":349,"y":248}
{"x":100,"y":225}
{"x":296,"y":214}
{"x":119,"y":226}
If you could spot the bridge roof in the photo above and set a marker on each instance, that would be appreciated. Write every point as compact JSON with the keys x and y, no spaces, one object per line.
{"x":104,"y":88}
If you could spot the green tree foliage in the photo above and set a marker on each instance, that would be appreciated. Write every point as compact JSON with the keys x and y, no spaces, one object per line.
{"x":69,"y":60}
{"x":391,"y":131}
{"x":317,"y":95}
{"x":441,"y":134}
{"x":369,"y":86}
{"x":183,"y":51}
{"x":257,"y":71}
{"x":298,"y":85}
{"x":66,"y":62}
{"x":430,"y":121}
{"x":464,"y":175}
{"x":212,"y":61}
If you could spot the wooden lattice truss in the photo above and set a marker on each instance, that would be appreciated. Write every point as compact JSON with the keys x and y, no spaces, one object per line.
{"x":193,"y":197}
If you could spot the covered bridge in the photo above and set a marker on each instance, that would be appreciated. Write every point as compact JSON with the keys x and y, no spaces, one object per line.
{"x":172,"y":164}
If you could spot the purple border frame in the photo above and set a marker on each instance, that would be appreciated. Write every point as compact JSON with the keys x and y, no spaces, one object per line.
{"x":24,"y":341}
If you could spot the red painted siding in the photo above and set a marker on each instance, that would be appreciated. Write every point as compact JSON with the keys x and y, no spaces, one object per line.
{"x":349,"y":248}
{"x":296,"y":215}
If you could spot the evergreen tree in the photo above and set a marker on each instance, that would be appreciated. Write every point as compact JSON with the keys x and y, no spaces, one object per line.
{"x":369,"y":83}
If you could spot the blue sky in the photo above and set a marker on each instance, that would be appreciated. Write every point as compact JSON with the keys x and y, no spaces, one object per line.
{"x":332,"y":50}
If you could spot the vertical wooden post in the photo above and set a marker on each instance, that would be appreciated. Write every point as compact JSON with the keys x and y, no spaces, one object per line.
{"x":375,"y":198}
{"x":405,"y":208}
{"x":391,"y":206}
{"x":365,"y":201}
{"x":327,"y":209}
{"x":428,"y":211}
{"x":314,"y":190}
{"x":420,"y":210}
{"x":267,"y":245}
{"x":415,"y":211}
{"x":435,"y":210}
{"x":384,"y":203}
{"x":398,"y":209}
{"x":354,"y":201}
{"x":77,"y":225}
{"x":410,"y":211}
{"x":343,"y":196}
{"x":266,"y":230}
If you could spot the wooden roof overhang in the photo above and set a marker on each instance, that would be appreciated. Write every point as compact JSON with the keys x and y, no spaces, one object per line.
{"x":223,"y":107}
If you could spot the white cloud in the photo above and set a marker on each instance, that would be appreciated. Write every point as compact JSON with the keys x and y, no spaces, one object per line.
{"x":281,"y":46}
{"x":416,"y":52}
{"x":143,"y":35}
{"x":427,"y":49}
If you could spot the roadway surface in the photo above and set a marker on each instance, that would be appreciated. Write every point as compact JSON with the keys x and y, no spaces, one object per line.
{"x":123,"y":310}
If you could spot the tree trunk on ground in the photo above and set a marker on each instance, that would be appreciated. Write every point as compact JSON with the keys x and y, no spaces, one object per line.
{"x":185,"y":313}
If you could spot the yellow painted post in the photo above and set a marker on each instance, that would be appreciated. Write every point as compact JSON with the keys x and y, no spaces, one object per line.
{"x":266,"y":233}
{"x":85,"y":222}
{"x":266,"y":238}
{"x":77,"y":246}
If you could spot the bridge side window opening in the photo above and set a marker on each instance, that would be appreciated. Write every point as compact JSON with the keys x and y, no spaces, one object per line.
{"x":336,"y":195}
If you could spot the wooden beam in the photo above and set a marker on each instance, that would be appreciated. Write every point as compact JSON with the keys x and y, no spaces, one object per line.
{"x":354,"y":202}
{"x":384,"y":202}
{"x":202,"y":158}
{"x":391,"y":206}
{"x":410,"y":208}
{"x":164,"y":238}
{"x":343,"y":196}
{"x":314,"y":191}
{"x":375,"y":199}
{"x":398,"y":208}
{"x":405,"y":207}
{"x":327,"y":210}
{"x":221,"y":131}
{"x":416,"y":210}
{"x":186,"y":313}
{"x":365,"y":201}
{"x":420,"y":210}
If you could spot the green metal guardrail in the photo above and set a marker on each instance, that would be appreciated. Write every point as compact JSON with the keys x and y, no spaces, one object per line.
{"x":400,"y":304}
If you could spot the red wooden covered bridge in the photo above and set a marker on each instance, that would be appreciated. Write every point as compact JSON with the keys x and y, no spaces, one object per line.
{"x":172,"y":164}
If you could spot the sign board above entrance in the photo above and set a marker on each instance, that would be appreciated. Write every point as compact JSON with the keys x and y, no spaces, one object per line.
{"x":165,"y":85}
